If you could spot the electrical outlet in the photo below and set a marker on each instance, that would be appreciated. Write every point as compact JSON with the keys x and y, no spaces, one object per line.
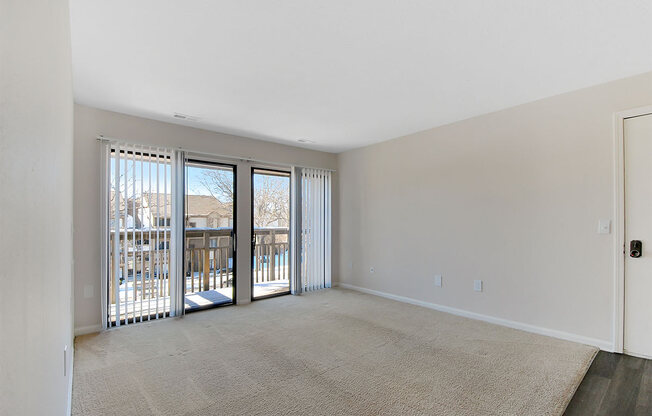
{"x":477,"y":285}
{"x":438,"y":280}
{"x":371,"y":270}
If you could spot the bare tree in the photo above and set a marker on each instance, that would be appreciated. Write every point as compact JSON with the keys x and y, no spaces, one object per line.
{"x":122,"y":191}
{"x":133,"y":193}
{"x":271,"y":196}
{"x":219,"y":184}
{"x":271,"y":202}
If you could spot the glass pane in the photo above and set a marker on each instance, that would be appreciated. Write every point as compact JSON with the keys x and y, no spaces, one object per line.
{"x":210,"y":213}
{"x":271,"y":248}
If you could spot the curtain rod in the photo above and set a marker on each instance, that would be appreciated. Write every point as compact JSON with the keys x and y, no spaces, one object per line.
{"x":102,"y":138}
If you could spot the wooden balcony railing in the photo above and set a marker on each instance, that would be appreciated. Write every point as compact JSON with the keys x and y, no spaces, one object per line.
{"x":271,"y":250}
{"x":208,"y":261}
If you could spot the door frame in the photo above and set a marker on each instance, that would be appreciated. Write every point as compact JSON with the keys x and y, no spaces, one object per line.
{"x":619,"y":224}
{"x":234,"y":167}
{"x":251,"y":237}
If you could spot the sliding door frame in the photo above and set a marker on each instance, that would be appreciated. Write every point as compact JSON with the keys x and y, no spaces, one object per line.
{"x":234,"y":233}
{"x":252,"y":236}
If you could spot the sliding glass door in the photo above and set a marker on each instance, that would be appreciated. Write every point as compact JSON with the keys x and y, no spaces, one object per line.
{"x":270,"y":196}
{"x":169,"y":232}
{"x":209,"y":265}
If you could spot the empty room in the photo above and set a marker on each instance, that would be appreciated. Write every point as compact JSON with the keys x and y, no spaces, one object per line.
{"x":325,"y":207}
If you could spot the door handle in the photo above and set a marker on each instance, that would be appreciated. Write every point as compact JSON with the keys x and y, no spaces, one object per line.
{"x":635,"y":248}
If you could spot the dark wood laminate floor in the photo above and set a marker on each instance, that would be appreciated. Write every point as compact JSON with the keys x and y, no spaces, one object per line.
{"x":615,"y":384}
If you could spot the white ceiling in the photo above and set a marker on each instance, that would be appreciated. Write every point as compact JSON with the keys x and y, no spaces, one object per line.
{"x":346,"y":73}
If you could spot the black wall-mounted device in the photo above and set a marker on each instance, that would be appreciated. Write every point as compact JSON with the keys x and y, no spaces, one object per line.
{"x":635,"y":248}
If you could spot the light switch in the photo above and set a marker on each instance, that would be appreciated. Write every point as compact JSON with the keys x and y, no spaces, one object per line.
{"x":477,"y":285}
{"x":604,"y":226}
{"x":438,"y":280}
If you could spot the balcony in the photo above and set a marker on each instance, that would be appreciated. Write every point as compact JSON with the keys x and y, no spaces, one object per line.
{"x":144,"y":283}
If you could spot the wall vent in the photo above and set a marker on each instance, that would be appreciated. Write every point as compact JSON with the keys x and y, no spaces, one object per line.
{"x":180,"y":116}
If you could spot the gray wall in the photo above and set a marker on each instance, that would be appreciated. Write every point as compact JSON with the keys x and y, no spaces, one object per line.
{"x":512,"y":198}
{"x":36,"y":112}
{"x":89,"y":122}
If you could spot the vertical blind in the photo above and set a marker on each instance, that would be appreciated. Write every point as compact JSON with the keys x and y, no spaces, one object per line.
{"x":142,"y":241}
{"x":315,"y":203}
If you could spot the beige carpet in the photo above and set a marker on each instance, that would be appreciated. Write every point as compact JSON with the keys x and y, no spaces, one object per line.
{"x":333,"y":352}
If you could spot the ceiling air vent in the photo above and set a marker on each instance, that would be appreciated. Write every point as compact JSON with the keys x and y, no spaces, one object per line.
{"x":186,"y":117}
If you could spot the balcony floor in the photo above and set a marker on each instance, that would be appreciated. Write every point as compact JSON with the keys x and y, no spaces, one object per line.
{"x":207,"y":298}
{"x":193,"y":301}
{"x":271,"y":288}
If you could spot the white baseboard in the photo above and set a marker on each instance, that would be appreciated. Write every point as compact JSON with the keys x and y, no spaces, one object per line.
{"x":83,"y":330}
{"x":603,"y":345}
{"x":635,"y":354}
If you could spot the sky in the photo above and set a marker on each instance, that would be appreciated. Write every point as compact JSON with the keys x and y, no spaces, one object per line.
{"x":193,"y":177}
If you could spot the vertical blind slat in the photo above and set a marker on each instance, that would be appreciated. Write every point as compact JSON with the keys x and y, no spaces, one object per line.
{"x":165,"y":228}
{"x":142,"y":238}
{"x":116,"y":236}
{"x":125,"y":271}
{"x":327,"y":227}
{"x":315,"y":230}
{"x":149,"y":238}
{"x":133,"y":232}
{"x":157,"y":260}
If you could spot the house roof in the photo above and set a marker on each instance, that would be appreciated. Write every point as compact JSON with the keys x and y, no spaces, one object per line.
{"x":205,"y":205}
{"x":196,"y":205}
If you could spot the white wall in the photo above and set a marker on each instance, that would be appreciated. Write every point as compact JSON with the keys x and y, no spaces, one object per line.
{"x":89,"y":122}
{"x":36,"y":111}
{"x":512,"y":198}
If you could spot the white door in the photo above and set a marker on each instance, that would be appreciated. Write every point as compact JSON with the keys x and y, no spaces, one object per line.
{"x":638,"y":226}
